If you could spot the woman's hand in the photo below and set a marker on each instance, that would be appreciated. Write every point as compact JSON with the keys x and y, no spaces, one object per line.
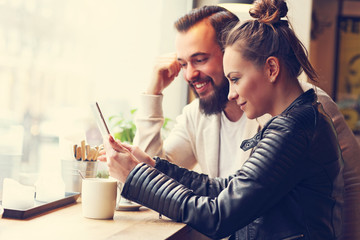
{"x":139,"y":154}
{"x":122,"y":158}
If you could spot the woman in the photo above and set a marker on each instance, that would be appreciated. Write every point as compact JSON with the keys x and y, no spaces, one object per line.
{"x":291,"y":186}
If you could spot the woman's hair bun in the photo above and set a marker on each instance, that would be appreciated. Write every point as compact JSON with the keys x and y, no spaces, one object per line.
{"x":268,"y":11}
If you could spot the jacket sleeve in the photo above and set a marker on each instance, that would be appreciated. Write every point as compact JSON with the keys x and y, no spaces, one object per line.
{"x":262,"y":181}
{"x":177,"y":147}
{"x":199,"y":183}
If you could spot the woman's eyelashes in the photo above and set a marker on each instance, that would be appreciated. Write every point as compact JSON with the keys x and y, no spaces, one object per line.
{"x":234,"y":79}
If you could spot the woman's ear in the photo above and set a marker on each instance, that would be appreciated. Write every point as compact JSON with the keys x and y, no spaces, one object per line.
{"x":273,"y":66}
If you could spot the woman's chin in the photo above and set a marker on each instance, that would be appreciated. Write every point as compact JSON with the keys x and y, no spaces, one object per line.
{"x":250,"y":115}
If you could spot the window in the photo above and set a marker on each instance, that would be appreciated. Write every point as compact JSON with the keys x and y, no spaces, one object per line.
{"x":58,"y":56}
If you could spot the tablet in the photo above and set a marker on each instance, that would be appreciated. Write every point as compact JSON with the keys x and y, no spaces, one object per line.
{"x":100,"y":120}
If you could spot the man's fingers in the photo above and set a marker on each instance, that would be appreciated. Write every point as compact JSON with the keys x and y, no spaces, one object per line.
{"x":174,"y":70}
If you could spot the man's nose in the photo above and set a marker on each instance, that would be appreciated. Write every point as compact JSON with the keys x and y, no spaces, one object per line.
{"x":191,"y":73}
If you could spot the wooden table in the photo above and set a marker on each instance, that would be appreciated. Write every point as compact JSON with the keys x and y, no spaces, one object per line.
{"x":67,"y":223}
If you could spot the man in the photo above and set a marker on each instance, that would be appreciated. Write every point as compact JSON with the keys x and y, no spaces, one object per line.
{"x":210,"y":129}
{"x":199,"y":53}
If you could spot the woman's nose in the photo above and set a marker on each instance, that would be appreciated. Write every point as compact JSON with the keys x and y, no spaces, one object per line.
{"x":232,"y":94}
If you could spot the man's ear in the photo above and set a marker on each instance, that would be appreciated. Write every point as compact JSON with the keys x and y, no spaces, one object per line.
{"x":273,"y":66}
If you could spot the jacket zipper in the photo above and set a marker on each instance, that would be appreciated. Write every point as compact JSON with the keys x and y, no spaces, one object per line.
{"x":294,"y":237}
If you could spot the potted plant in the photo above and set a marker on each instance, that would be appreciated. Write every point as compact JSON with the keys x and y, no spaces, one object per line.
{"x":124,"y":129}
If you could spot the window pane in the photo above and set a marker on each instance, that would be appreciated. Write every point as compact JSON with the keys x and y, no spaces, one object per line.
{"x":57,"y":57}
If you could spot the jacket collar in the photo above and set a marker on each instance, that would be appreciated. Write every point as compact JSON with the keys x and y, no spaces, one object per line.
{"x":307,"y":97}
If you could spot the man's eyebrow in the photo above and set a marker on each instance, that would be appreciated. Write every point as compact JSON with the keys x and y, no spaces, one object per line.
{"x":195,"y":55}
{"x":199,"y":54}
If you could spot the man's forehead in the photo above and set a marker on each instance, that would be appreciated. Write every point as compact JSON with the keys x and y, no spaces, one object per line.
{"x":198,"y":40}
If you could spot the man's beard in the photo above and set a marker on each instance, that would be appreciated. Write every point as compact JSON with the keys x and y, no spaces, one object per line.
{"x":215,"y":103}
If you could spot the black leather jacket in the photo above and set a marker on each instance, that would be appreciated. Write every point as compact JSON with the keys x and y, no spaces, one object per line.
{"x":291,"y":187}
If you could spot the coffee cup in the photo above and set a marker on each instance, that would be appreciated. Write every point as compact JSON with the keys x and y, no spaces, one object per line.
{"x":98,"y":197}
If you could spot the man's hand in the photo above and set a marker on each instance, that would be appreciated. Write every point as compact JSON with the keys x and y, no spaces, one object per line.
{"x":165,"y":70}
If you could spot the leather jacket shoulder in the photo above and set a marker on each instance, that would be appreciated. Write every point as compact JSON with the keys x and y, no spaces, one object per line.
{"x":291,"y":187}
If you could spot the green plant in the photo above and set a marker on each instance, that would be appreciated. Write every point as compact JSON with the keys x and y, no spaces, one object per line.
{"x":102,"y":174}
{"x":124,"y":129}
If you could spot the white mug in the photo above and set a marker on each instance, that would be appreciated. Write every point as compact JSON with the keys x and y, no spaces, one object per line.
{"x":98,"y":197}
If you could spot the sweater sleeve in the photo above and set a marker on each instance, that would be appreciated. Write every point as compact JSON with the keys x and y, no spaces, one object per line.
{"x":149,"y":120}
{"x":178,"y":146}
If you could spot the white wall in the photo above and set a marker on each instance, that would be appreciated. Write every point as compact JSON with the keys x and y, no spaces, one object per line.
{"x":300,"y":17}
